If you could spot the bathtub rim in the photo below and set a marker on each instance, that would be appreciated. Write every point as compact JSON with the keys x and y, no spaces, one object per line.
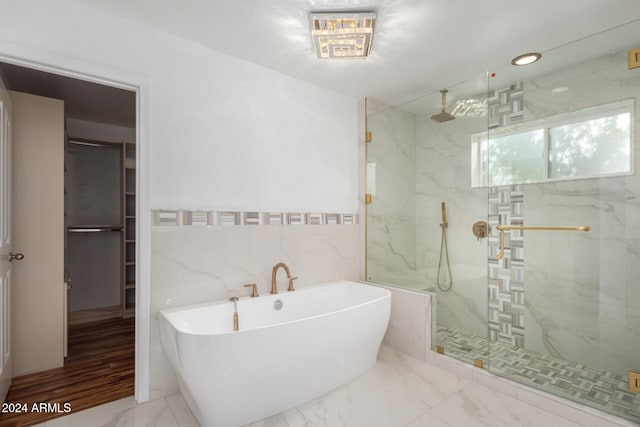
{"x":167,"y":311}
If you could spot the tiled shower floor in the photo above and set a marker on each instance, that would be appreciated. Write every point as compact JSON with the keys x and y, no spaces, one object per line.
{"x":593,"y":387}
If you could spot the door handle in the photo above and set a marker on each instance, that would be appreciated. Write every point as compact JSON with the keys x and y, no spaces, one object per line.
{"x":17,"y":257}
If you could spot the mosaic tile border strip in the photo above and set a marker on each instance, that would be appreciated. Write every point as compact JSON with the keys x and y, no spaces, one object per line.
{"x":506,"y":276}
{"x":196,"y":218}
{"x":506,"y":106}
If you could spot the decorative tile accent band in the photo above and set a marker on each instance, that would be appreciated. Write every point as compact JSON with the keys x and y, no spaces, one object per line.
{"x":506,"y":106}
{"x":506,"y":276}
{"x":163,"y":217}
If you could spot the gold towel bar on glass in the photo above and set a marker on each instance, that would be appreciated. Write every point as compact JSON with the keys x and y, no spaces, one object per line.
{"x":502,"y":228}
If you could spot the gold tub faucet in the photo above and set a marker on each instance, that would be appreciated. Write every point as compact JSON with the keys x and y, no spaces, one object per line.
{"x":274,"y":288}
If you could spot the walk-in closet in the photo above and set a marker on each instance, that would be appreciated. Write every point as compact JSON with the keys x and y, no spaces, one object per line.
{"x":74,"y":209}
{"x":100,"y":242}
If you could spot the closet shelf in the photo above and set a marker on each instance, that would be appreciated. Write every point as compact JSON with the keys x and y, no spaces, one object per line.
{"x":93,"y":228}
{"x":129,"y":177}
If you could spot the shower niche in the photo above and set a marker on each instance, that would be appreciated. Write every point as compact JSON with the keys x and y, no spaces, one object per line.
{"x":529,"y":149}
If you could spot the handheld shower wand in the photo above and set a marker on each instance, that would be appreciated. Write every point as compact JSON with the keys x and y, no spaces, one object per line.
{"x":444,"y":214}
{"x":444,"y":246}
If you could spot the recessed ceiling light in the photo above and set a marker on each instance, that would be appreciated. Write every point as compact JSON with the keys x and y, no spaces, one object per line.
{"x":560,"y":89}
{"x":526,"y":59}
{"x":342,"y":35}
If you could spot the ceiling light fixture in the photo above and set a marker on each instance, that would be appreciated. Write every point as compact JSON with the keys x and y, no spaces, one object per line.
{"x":342,"y":35}
{"x":526,"y":59}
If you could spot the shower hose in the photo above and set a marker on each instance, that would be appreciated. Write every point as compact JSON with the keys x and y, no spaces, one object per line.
{"x":444,"y":248}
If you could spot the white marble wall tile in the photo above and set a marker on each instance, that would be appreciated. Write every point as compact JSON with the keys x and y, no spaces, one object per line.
{"x":390,"y":217}
{"x":392,"y":149}
{"x":404,"y":251}
{"x":194,"y":265}
{"x":391,"y":253}
{"x":443,"y":175}
{"x":409,"y":329}
{"x":464,"y":306}
{"x":197,"y":265}
{"x":320,"y":253}
{"x":164,"y":381}
{"x":582,"y":293}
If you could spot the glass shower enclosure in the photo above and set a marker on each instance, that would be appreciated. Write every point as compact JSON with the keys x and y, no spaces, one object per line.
{"x":521,"y":217}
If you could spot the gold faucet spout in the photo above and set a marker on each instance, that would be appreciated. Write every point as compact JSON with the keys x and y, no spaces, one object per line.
{"x":274,"y":287}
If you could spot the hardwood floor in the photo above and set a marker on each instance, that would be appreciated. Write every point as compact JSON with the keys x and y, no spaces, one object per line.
{"x":99,"y":369}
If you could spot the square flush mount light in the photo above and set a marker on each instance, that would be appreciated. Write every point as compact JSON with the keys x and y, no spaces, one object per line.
{"x":342,"y":35}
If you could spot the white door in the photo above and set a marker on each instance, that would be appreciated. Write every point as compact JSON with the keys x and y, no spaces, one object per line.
{"x":5,"y":241}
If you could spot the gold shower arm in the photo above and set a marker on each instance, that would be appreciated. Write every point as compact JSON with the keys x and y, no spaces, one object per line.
{"x":502,"y":228}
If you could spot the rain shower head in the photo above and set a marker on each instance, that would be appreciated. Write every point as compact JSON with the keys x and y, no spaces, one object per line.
{"x":443,"y":116}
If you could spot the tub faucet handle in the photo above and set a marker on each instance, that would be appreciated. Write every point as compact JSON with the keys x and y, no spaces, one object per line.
{"x":291,"y":279}
{"x":254,"y":289}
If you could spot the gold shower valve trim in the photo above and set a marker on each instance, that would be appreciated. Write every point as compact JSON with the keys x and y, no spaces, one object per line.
{"x":634,"y":381}
{"x":503,"y":228}
{"x":634,"y":58}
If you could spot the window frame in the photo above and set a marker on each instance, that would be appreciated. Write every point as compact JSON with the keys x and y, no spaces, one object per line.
{"x":479,"y":160}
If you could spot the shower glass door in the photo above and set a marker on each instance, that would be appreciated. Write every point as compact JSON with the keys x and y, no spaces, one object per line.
{"x":553,"y":144}
{"x":561,"y":150}
{"x":414,"y":166}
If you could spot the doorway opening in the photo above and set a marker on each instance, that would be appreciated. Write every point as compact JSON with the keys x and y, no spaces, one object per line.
{"x":99,"y":289}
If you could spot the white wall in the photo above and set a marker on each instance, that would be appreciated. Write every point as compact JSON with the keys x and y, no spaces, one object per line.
{"x":215,"y":120}
{"x":224,"y":134}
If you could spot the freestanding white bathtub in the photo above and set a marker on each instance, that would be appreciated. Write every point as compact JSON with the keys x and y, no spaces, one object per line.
{"x":322,"y":337}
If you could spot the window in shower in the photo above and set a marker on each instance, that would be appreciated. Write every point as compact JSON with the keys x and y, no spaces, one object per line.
{"x":591,"y":143}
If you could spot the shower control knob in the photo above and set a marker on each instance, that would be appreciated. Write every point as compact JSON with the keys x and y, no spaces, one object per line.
{"x":481,"y":229}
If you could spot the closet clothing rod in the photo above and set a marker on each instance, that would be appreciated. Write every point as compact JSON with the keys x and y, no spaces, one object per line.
{"x":93,"y":229}
{"x":93,"y":143}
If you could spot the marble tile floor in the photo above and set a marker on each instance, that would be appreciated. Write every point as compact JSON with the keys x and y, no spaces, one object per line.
{"x":398,"y":391}
{"x":575,"y":381}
